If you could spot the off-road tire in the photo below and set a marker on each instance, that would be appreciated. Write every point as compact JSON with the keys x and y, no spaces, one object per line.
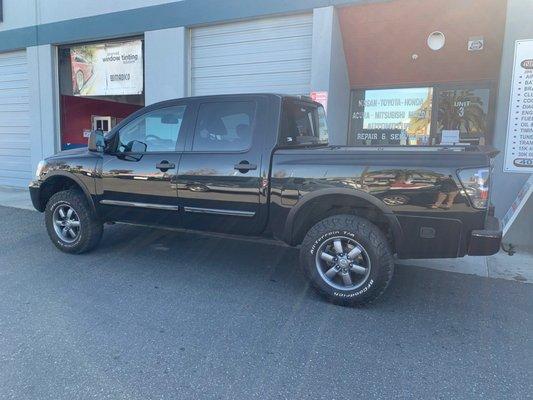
{"x":374,"y":242}
{"x":90,"y":230}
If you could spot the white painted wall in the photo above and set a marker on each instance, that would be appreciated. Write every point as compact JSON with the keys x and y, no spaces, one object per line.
{"x":18,"y":14}
{"x":21,"y":13}
{"x":166,"y":64}
{"x":329,"y":71}
{"x":43,"y":97}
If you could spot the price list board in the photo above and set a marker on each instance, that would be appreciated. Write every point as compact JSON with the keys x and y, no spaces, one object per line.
{"x":519,"y":143}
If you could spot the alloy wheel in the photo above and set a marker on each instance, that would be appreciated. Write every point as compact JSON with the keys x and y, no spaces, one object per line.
{"x":66,"y":223}
{"x":343,"y":263}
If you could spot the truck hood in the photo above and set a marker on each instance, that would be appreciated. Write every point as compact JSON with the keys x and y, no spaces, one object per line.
{"x":71,"y":152}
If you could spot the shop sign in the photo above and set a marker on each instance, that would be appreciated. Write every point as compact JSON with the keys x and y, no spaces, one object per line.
{"x":381,"y":137}
{"x":476,"y":43}
{"x":519,"y":141}
{"x":107,"y":69}
{"x":450,"y":137}
{"x":322,"y":98}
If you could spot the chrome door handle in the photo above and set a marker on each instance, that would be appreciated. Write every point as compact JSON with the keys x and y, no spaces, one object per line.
{"x":165,"y":166}
{"x":245,"y":166}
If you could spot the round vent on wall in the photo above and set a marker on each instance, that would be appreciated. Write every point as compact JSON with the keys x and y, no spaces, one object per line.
{"x":436,"y":40}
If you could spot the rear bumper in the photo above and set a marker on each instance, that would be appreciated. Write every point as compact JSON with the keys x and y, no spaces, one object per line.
{"x":486,"y":242}
{"x":35,"y":190}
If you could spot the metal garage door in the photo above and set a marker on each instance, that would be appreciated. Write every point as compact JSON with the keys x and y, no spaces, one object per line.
{"x":15,"y":163}
{"x":264,"y":55}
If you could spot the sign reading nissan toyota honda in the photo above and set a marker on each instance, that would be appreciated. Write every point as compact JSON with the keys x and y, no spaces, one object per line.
{"x":519,"y":144}
{"x":107,"y":69}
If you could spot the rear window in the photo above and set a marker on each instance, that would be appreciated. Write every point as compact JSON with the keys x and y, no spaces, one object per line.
{"x":303,"y":124}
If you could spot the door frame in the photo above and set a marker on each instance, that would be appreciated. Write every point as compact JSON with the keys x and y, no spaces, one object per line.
{"x":260,"y":124}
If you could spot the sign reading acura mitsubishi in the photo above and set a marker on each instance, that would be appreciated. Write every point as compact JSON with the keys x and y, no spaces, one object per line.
{"x":519,"y":144}
{"x":107,"y":69}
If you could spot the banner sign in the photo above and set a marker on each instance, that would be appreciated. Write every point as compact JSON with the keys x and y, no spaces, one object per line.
{"x":519,"y":143}
{"x":107,"y":69}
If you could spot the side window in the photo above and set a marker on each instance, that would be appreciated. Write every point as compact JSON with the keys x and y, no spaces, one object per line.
{"x":224,"y":126}
{"x":303,"y":124}
{"x":323,"y":134}
{"x":158,"y":130}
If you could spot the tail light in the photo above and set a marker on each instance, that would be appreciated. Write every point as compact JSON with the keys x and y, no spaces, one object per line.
{"x":475,"y":182}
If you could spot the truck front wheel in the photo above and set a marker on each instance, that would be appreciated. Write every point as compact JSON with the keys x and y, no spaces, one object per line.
{"x":347,"y":259}
{"x":70,"y":222}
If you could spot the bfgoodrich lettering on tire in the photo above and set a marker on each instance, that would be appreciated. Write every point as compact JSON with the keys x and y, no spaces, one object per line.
{"x":70,"y":222}
{"x":347,"y":259}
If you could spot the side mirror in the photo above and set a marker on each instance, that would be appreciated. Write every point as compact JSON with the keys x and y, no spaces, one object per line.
{"x":96,"y":141}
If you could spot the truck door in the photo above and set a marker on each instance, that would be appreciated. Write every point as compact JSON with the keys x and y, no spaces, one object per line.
{"x":138,"y":179}
{"x":220,"y":176}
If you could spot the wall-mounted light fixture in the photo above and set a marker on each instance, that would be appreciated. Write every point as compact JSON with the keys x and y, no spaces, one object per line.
{"x":436,"y":40}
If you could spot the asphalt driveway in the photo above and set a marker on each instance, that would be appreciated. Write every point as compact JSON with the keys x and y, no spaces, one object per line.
{"x":154,"y":314}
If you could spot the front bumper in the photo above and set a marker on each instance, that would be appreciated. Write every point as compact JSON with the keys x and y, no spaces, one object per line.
{"x":35,"y":194}
{"x":486,"y":242}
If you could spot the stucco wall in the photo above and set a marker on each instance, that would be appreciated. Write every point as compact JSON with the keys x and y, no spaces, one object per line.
{"x":380,"y":40}
{"x":22,"y":13}
{"x":166,"y":64}
{"x":329,"y":72}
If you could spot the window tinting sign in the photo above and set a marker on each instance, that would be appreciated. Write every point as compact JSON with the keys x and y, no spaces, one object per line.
{"x":107,"y":69}
{"x":519,"y":143}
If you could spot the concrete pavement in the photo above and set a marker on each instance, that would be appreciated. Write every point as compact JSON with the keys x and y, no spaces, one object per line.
{"x":15,"y":197}
{"x":154,"y":314}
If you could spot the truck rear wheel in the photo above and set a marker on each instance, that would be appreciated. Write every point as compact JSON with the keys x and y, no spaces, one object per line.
{"x":70,"y":222}
{"x":347,"y":259}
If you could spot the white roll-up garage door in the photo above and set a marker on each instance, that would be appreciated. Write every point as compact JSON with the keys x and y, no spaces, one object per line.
{"x":263,"y":55}
{"x":15,"y":162}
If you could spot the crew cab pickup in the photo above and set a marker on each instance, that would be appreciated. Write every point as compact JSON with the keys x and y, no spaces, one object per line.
{"x":260,"y":165}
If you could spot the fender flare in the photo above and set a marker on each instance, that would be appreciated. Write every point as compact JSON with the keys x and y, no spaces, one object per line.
{"x":288,"y":232}
{"x":77,"y":180}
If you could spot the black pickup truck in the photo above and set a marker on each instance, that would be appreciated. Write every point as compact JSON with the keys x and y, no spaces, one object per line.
{"x":260,"y":165}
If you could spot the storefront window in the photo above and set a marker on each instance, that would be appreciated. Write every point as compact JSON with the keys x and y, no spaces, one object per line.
{"x":464,"y":114}
{"x":100,"y":84}
{"x":405,"y":116}
{"x":391,"y":116}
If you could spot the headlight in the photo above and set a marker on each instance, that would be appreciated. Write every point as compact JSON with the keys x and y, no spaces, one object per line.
{"x":476,"y":184}
{"x":39,"y":169}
